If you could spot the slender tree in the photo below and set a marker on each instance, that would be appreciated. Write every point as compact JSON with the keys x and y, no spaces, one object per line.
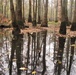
{"x":34,"y":12}
{"x":4,"y":7}
{"x":59,"y":10}
{"x":23,"y":8}
{"x":30,"y":16}
{"x":13,"y":15}
{"x":56,"y":10}
{"x":39,"y":10}
{"x":1,"y":6}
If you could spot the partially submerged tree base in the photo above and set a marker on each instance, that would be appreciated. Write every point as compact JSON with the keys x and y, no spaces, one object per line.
{"x":44,"y":25}
{"x":73,"y":27}
{"x":29,"y":19}
{"x":39,"y":21}
{"x":63,"y":28}
{"x":16,"y":31}
{"x":20,"y":24}
{"x":14,"y":25}
{"x":34,"y":22}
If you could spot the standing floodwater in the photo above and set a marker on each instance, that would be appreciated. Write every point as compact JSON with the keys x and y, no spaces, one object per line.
{"x":33,"y":53}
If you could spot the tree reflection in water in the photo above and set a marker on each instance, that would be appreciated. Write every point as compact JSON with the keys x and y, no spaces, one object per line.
{"x":36,"y":54}
{"x":32,"y":55}
{"x":17,"y":47}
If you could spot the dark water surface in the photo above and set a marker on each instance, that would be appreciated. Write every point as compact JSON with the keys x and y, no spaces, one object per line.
{"x":31,"y":54}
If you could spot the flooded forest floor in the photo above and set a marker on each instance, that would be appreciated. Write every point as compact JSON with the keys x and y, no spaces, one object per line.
{"x":35,"y":51}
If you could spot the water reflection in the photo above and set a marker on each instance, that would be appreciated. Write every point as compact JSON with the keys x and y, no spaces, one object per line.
{"x":35,"y":53}
{"x":16,"y":50}
{"x":34,"y":56}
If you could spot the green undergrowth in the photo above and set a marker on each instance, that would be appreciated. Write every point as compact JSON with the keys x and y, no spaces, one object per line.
{"x":53,"y":23}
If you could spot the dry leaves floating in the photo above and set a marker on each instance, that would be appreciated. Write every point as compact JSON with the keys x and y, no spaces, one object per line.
{"x":34,"y":72}
{"x":23,"y":68}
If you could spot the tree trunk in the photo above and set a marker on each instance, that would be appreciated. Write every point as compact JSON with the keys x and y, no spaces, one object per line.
{"x":70,"y":9}
{"x":59,"y":10}
{"x":19,"y":14}
{"x":23,"y":8}
{"x":13,"y":15}
{"x":30,"y":17}
{"x":64,"y":18}
{"x":63,"y":32}
{"x":73,"y":27}
{"x":56,"y":10}
{"x":39,"y":10}
{"x":4,"y":7}
{"x":1,"y":6}
{"x":45,"y":20}
{"x":34,"y":12}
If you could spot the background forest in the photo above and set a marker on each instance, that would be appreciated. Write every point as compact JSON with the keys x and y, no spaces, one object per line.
{"x":38,"y":11}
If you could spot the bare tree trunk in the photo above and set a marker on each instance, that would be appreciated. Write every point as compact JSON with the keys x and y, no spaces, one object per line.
{"x":73,"y":27}
{"x":23,"y":8}
{"x":13,"y":15}
{"x":56,"y":10}
{"x":70,"y":14}
{"x":59,"y":10}
{"x":64,"y":17}
{"x":45,"y":20}
{"x":30,"y":16}
{"x":4,"y":7}
{"x":34,"y":12}
{"x":39,"y":10}
{"x":19,"y":18}
{"x":1,"y":5}
{"x":42,"y":8}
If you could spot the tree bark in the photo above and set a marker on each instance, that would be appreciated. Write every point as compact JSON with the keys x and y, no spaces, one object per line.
{"x":71,"y":9}
{"x":34,"y":12}
{"x":45,"y":19}
{"x":56,"y":10}
{"x":23,"y":8}
{"x":19,"y":18}
{"x":30,"y":16}
{"x":13,"y":15}
{"x":39,"y":10}
{"x":73,"y":27}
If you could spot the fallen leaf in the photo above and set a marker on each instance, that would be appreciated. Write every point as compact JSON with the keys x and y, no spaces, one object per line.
{"x":23,"y":68}
{"x":34,"y":72}
{"x":14,"y":59}
{"x":73,"y":45}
